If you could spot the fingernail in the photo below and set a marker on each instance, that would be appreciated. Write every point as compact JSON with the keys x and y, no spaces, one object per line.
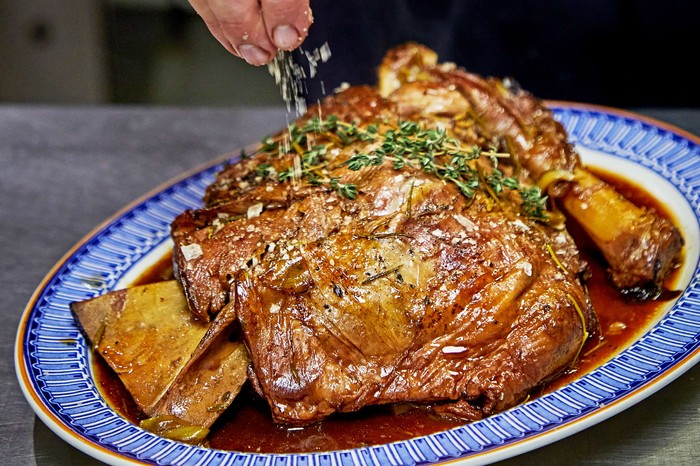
{"x":285,"y":37}
{"x":253,"y":54}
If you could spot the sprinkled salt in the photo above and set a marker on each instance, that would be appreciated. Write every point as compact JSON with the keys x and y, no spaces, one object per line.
{"x":453,"y":349}
{"x":291,"y":76}
{"x":255,"y":210}
{"x":191,"y":251}
{"x":519,"y":225}
{"x":526,"y":267}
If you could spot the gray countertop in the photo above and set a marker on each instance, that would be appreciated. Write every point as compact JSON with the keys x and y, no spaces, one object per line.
{"x":64,"y":170}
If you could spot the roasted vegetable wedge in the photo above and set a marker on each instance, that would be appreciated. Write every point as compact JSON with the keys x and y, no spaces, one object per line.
{"x":173,"y":365}
{"x":146,"y":334}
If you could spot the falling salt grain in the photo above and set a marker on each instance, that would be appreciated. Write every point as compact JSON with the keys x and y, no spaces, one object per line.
{"x":325,"y":51}
{"x":291,"y":76}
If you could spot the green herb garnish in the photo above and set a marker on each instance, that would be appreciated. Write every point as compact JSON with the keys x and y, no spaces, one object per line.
{"x":405,"y":145}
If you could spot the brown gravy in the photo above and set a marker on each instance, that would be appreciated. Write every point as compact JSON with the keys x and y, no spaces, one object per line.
{"x":247,"y":425}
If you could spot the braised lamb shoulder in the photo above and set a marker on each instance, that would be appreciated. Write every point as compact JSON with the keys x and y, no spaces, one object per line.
{"x":359,"y":282}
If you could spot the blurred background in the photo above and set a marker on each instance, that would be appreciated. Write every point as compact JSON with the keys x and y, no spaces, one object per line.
{"x":625,"y":53}
{"x":120,"y":51}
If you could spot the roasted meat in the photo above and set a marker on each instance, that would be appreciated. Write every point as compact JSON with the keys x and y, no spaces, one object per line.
{"x":375,"y":254}
{"x":640,"y":247}
{"x":395,"y":244}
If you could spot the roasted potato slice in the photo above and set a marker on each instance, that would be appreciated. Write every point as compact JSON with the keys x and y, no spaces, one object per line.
{"x":213,"y":377}
{"x":177,"y":368}
{"x":146,"y":334}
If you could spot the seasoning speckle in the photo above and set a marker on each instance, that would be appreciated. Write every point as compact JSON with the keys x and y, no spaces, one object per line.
{"x":191,"y":251}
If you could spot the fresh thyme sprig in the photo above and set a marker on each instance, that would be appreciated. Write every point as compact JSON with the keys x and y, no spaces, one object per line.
{"x":405,"y":145}
{"x":413,"y":146}
{"x":534,"y":203}
{"x":310,"y":155}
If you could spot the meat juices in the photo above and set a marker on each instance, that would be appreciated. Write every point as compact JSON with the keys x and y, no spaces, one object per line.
{"x":410,"y":292}
{"x":398,"y":244}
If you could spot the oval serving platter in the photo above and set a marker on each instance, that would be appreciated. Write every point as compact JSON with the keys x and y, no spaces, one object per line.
{"x":53,"y":361}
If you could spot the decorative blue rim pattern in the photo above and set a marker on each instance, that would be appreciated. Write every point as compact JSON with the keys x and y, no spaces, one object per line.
{"x":53,"y":363}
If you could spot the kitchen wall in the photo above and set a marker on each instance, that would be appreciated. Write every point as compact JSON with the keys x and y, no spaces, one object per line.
{"x":120,"y":51}
{"x":52,"y":51}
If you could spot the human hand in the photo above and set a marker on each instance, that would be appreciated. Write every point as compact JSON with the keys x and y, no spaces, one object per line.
{"x":256,"y":29}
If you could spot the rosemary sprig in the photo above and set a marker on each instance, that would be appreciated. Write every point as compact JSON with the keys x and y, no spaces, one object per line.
{"x":380,"y":275}
{"x":405,"y":145}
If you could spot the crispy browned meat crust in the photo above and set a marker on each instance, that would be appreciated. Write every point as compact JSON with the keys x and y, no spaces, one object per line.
{"x":410,"y":292}
{"x":640,"y":246}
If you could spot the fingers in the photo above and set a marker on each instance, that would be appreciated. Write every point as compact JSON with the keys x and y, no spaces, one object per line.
{"x":286,"y":21}
{"x":255,"y":29}
{"x":242,"y":26}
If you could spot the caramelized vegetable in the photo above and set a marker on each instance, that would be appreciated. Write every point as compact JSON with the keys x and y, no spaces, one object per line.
{"x":213,"y":377}
{"x":146,"y":334}
{"x":175,"y":367}
{"x":175,"y":429}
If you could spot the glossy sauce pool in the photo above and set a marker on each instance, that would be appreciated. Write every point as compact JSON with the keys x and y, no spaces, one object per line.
{"x":247,"y":424}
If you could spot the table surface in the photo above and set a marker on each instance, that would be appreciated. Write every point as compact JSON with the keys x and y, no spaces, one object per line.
{"x":64,"y":170}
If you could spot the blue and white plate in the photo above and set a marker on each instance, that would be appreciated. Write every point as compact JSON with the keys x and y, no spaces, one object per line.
{"x":53,"y":361}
